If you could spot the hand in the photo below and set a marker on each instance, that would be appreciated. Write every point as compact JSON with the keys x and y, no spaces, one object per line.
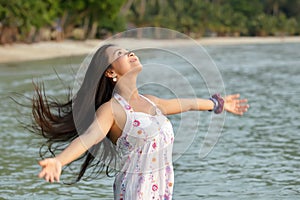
{"x":235,"y":105}
{"x":51,"y":169}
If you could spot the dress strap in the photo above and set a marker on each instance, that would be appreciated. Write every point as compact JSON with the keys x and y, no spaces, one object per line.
{"x":128,"y":109}
{"x":153,"y":104}
{"x":124,"y":103}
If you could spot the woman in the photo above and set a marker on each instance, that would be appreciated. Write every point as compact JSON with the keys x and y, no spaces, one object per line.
{"x":110,"y":120}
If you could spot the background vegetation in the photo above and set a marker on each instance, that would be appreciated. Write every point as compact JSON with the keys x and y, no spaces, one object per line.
{"x":35,"y":20}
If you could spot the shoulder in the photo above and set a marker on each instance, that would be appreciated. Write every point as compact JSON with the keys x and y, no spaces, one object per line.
{"x":111,"y":107}
{"x":105,"y":109}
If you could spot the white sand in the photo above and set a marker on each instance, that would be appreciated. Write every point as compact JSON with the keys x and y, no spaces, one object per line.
{"x":46,"y":50}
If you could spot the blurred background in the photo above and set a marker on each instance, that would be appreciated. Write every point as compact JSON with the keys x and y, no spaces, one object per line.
{"x":32,"y":20}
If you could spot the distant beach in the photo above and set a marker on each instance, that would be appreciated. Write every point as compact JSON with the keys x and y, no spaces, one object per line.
{"x":46,"y":50}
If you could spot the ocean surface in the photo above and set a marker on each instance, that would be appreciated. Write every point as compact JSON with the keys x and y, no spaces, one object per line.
{"x":256,"y":156}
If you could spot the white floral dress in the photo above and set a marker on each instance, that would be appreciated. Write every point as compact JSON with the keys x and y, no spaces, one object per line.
{"x":145,"y":150}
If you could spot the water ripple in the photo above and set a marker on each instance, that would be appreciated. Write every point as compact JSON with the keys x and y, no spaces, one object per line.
{"x":257,"y":157}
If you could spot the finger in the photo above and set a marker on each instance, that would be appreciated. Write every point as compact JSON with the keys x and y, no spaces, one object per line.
{"x":42,"y":174}
{"x":240,"y":110}
{"x":246,"y":106}
{"x":43,"y":162}
{"x":47,"y":177}
{"x":241,"y":106}
{"x":236,"y":112}
{"x":243,"y":100}
{"x":57,"y":174}
{"x":51,"y":179}
{"x":234,"y":96}
{"x":56,"y":177}
{"x":243,"y":110}
{"x":231,"y":97}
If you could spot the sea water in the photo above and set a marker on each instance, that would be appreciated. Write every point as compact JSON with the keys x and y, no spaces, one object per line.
{"x":256,"y":156}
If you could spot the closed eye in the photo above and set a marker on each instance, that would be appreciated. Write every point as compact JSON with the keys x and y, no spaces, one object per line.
{"x":122,"y":53}
{"x":119,"y":53}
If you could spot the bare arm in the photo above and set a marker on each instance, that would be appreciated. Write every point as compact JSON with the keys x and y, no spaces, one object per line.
{"x":94,"y":134}
{"x":174,"y":106}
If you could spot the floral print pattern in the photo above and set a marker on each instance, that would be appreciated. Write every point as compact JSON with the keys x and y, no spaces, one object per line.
{"x":136,"y":123}
{"x":145,"y":152}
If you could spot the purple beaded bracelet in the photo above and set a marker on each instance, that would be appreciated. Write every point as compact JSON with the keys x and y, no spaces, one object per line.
{"x":218,"y":103}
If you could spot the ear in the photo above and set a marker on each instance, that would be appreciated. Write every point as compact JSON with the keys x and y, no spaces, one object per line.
{"x":109,"y":73}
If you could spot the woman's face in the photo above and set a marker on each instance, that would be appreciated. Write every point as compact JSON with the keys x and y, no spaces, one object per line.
{"x":122,"y":60}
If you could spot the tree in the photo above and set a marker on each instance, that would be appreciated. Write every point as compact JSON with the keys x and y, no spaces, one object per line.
{"x":91,"y":15}
{"x":25,"y":17}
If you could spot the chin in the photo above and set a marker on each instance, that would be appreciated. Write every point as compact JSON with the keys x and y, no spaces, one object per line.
{"x":139,"y":67}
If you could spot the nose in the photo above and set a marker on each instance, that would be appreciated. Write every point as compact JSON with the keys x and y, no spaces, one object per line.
{"x":130,"y":54}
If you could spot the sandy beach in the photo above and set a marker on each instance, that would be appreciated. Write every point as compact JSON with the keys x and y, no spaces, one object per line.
{"x":47,"y":50}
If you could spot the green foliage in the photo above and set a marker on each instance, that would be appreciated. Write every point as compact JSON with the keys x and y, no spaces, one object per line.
{"x":98,"y":18}
{"x":246,"y":7}
{"x":92,"y":16}
{"x":26,"y":13}
{"x":29,"y":16}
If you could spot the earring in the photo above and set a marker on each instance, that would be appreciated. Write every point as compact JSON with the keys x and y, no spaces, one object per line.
{"x":115,"y":78}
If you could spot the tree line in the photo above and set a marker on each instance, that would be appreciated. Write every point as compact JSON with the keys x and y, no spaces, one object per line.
{"x":33,"y":20}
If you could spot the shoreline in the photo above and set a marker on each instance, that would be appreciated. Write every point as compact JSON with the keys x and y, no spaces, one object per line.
{"x":20,"y":52}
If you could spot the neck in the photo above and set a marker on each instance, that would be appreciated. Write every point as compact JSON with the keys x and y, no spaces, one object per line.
{"x":127,"y":89}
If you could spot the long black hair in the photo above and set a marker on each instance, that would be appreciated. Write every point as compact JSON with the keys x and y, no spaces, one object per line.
{"x":62,"y":122}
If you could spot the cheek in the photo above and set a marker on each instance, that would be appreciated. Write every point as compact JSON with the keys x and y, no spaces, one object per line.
{"x":121,"y":66}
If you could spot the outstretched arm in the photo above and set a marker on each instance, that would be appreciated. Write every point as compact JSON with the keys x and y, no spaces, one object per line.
{"x":51,"y":167}
{"x":232,"y":104}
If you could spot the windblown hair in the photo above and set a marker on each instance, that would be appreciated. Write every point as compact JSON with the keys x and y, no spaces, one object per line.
{"x":60,"y":123}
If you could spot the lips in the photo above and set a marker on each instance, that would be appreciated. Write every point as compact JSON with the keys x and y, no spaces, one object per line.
{"x":133,"y":60}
